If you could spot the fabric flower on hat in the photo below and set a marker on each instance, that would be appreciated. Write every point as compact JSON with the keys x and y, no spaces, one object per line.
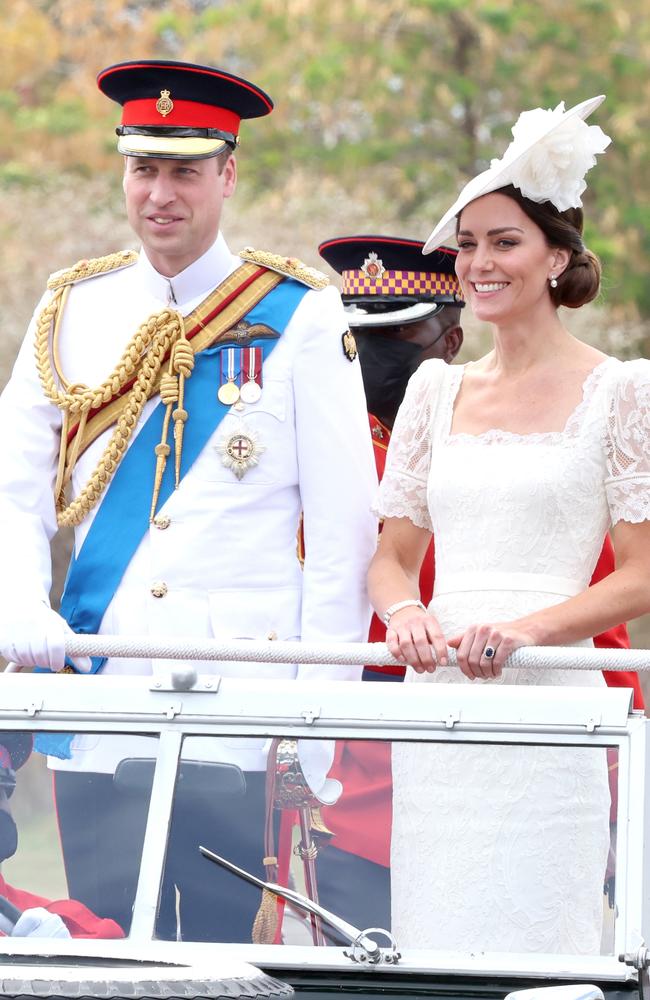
{"x":553,"y":167}
{"x":547,"y":160}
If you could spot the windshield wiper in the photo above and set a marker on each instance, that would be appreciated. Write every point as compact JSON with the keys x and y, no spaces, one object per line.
{"x":364,"y":949}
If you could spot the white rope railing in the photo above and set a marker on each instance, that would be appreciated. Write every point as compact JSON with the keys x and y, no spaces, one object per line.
{"x":253,"y":650}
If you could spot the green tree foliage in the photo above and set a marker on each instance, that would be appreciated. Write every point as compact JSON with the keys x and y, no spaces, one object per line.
{"x":397,"y":102}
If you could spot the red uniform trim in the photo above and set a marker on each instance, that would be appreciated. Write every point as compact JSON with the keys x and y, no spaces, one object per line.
{"x":380,"y":439}
{"x":616,"y":637}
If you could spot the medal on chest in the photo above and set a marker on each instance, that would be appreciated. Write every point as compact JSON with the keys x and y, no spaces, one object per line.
{"x":251,"y":367}
{"x":240,"y":450}
{"x":240,"y":375}
{"x":228,"y":392}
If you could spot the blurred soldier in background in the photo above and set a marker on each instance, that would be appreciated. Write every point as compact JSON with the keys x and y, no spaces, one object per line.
{"x":403,"y":309}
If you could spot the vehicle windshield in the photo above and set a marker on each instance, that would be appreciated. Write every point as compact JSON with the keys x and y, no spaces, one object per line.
{"x":517,"y":857}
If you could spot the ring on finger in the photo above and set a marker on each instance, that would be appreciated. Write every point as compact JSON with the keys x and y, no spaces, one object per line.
{"x":489,"y":652}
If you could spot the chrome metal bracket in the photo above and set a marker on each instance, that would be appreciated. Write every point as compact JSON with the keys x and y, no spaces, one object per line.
{"x":364,"y":955}
{"x":639,"y":960}
{"x":185,"y":678}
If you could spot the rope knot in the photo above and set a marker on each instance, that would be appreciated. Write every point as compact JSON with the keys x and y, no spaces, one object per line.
{"x":183,"y":358}
{"x":168,"y":388}
{"x":78,"y":399}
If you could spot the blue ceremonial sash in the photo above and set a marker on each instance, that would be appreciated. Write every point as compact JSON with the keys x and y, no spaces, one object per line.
{"x":122,"y":519}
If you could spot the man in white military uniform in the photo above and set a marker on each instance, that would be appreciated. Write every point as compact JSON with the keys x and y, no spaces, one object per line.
{"x":185,"y":407}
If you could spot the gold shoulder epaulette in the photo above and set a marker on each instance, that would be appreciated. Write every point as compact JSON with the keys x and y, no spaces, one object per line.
{"x":91,"y":268}
{"x":289,"y":266}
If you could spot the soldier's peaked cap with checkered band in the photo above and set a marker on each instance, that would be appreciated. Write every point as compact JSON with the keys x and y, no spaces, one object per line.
{"x":179,"y":110}
{"x":388,"y":280}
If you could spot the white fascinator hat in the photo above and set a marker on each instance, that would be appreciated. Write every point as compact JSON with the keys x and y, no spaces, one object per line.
{"x":550,"y":153}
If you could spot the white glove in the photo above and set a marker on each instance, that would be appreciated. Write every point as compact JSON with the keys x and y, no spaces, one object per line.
{"x":40,"y":923}
{"x":316,"y":758}
{"x":34,"y":635}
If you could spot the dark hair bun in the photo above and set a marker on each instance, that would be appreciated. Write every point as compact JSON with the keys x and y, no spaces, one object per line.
{"x":580,"y":282}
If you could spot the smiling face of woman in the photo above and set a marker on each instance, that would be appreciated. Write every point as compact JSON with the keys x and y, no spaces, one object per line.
{"x":504,"y":262}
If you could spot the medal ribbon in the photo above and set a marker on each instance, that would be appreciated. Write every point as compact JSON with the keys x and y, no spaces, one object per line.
{"x":229,"y":375}
{"x":252,"y":364}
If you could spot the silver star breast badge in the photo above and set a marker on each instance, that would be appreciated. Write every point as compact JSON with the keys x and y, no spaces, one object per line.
{"x":240,"y":450}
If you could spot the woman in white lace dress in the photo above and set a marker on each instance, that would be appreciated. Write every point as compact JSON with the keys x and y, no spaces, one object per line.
{"x":519,"y":464}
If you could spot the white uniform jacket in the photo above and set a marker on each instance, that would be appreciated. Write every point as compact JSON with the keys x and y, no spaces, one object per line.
{"x":223,"y":550}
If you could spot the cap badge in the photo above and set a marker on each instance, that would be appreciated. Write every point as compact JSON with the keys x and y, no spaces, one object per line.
{"x":164,"y":104}
{"x":349,"y":346}
{"x":241,"y":450}
{"x":373,"y":267}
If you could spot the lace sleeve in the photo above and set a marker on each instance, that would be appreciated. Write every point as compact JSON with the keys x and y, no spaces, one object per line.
{"x":628,"y":445}
{"x":403,"y":489}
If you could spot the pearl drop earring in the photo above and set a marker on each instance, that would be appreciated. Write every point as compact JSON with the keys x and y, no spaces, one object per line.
{"x":553,"y":281}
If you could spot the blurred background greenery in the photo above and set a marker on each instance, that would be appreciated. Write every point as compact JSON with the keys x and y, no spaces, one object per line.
{"x":383,"y":109}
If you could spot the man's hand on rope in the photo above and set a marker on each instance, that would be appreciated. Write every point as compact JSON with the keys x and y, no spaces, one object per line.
{"x":34,"y":636}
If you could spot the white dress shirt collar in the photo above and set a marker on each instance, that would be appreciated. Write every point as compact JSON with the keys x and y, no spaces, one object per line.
{"x":195,"y":282}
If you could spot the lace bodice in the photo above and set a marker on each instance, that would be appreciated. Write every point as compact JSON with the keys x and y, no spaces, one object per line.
{"x":536,"y":503}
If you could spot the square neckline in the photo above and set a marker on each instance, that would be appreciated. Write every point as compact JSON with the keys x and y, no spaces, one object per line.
{"x":498,"y":434}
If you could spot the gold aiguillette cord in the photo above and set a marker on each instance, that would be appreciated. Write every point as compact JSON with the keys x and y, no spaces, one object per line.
{"x":172,"y":391}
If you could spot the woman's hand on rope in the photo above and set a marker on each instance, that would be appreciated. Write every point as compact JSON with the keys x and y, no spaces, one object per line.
{"x":482,"y":650}
{"x":414,"y":637}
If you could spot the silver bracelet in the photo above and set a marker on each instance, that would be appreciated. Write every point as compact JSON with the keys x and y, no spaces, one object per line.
{"x":410,"y":603}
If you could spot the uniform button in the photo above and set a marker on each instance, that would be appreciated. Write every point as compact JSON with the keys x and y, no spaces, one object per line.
{"x":159,"y":589}
{"x":272,"y":636}
{"x":162,"y":521}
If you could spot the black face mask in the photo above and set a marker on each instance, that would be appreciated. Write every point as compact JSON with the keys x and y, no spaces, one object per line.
{"x":8,"y":835}
{"x":386,"y":365}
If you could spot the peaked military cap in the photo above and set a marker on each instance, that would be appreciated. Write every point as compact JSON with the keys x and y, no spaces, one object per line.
{"x":179,"y":110}
{"x":386,"y":280}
